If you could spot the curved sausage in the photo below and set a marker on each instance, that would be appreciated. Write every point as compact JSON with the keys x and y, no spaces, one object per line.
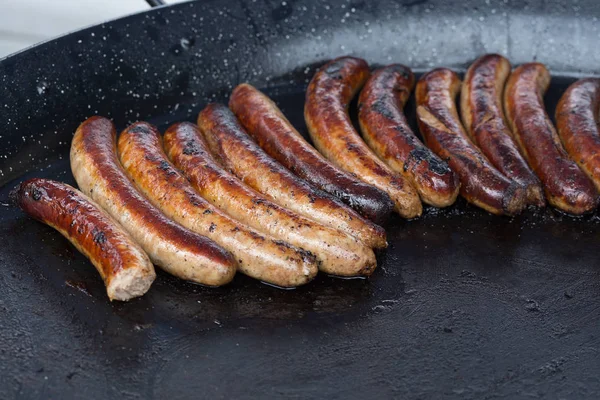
{"x":265,"y":122}
{"x":481,"y":183}
{"x":483,"y":117}
{"x":241,"y":155}
{"x":273,"y":261}
{"x":326,"y":114}
{"x":576,"y":116}
{"x":337,"y":252}
{"x":125,"y":268}
{"x":565,"y":185}
{"x":386,"y":132}
{"x":177,"y":250}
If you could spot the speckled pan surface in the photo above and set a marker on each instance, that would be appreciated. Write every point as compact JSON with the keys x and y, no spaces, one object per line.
{"x":464,"y":305}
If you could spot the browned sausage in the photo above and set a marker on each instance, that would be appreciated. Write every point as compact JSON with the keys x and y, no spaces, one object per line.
{"x":177,"y":250}
{"x":481,"y":183}
{"x":576,"y":116}
{"x":125,"y":268}
{"x":326,"y":114}
{"x":241,"y":155}
{"x":483,"y":117}
{"x":565,"y":185}
{"x":264,"y":258}
{"x":338,"y":253}
{"x":386,"y":131}
{"x":277,"y":136}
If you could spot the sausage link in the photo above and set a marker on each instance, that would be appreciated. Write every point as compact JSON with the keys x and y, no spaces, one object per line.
{"x":326,"y":114}
{"x":241,"y":155}
{"x":566,"y":186}
{"x":481,"y":183}
{"x":125,"y":268}
{"x":273,"y":261}
{"x":576,"y":116}
{"x":338,"y":253}
{"x":177,"y":250}
{"x":386,"y":131}
{"x":277,"y":136}
{"x":484,"y":121}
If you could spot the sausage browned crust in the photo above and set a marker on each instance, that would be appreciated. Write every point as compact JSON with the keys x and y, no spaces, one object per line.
{"x":565,"y":185}
{"x":125,"y":268}
{"x":576,"y":116}
{"x":338,"y":253}
{"x":244,"y":157}
{"x":170,"y":246}
{"x":483,"y":117}
{"x":326,"y":114}
{"x":386,"y":131}
{"x":277,"y":136}
{"x":273,"y":261}
{"x":481,"y":183}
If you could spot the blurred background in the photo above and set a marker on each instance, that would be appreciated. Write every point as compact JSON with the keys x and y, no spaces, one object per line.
{"x":26,"y":22}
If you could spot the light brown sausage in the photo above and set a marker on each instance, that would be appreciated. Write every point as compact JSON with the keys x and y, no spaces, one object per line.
{"x":277,"y":136}
{"x":481,"y":183}
{"x":566,"y":186}
{"x":326,"y":114}
{"x":337,"y":252}
{"x":125,"y":268}
{"x":242,"y":156}
{"x":387,"y":133}
{"x":264,"y":258}
{"x":483,"y":116}
{"x":177,"y":250}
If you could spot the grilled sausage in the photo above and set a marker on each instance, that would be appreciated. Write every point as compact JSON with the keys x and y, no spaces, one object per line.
{"x":481,"y":183}
{"x":565,"y":185}
{"x":338,"y":253}
{"x":386,"y":131}
{"x":326,"y":114}
{"x":576,"y":116}
{"x":275,"y":134}
{"x":483,"y":118}
{"x":241,"y":155}
{"x":177,"y":250}
{"x":273,"y":261}
{"x":125,"y":268}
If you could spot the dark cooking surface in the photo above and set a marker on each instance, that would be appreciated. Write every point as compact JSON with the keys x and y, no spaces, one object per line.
{"x":464,"y":304}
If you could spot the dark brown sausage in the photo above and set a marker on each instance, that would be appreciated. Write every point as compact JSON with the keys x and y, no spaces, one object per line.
{"x":576,"y":120}
{"x":386,"y":131}
{"x":326,"y":114}
{"x":244,"y":157}
{"x":565,"y":185}
{"x":483,"y":116}
{"x":125,"y":268}
{"x":276,"y":135}
{"x":264,"y":258}
{"x":481,"y":183}
{"x":170,"y":246}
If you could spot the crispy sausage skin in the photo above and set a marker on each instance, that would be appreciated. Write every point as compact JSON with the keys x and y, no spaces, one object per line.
{"x":483,"y":118}
{"x":386,"y":131}
{"x":576,"y":116}
{"x":337,"y":253}
{"x":566,"y":186}
{"x":244,"y":157}
{"x":177,"y":250}
{"x":125,"y":268}
{"x":326,"y":114}
{"x":265,"y":122}
{"x":481,"y":183}
{"x":273,"y":261}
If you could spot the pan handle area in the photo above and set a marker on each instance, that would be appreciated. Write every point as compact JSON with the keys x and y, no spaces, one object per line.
{"x":155,"y":3}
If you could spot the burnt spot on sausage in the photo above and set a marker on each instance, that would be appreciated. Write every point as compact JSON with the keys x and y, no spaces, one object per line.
{"x":381,"y":107}
{"x":421,"y":154}
{"x":207,"y":211}
{"x":99,"y":236}
{"x":164,"y":166}
{"x":212,"y":227}
{"x":334,"y":69}
{"x":139,"y":129}
{"x":401,"y":69}
{"x":311,"y":198}
{"x":36,"y":194}
{"x":256,"y":236}
{"x":191,"y":148}
{"x":236,"y":229}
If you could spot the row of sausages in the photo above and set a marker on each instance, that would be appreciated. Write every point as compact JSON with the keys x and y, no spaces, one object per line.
{"x":243,"y":191}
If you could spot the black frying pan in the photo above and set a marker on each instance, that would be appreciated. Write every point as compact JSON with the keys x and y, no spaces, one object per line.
{"x":464,"y":304}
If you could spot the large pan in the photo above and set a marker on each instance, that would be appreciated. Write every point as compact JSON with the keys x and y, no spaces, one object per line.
{"x":464,"y":304}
